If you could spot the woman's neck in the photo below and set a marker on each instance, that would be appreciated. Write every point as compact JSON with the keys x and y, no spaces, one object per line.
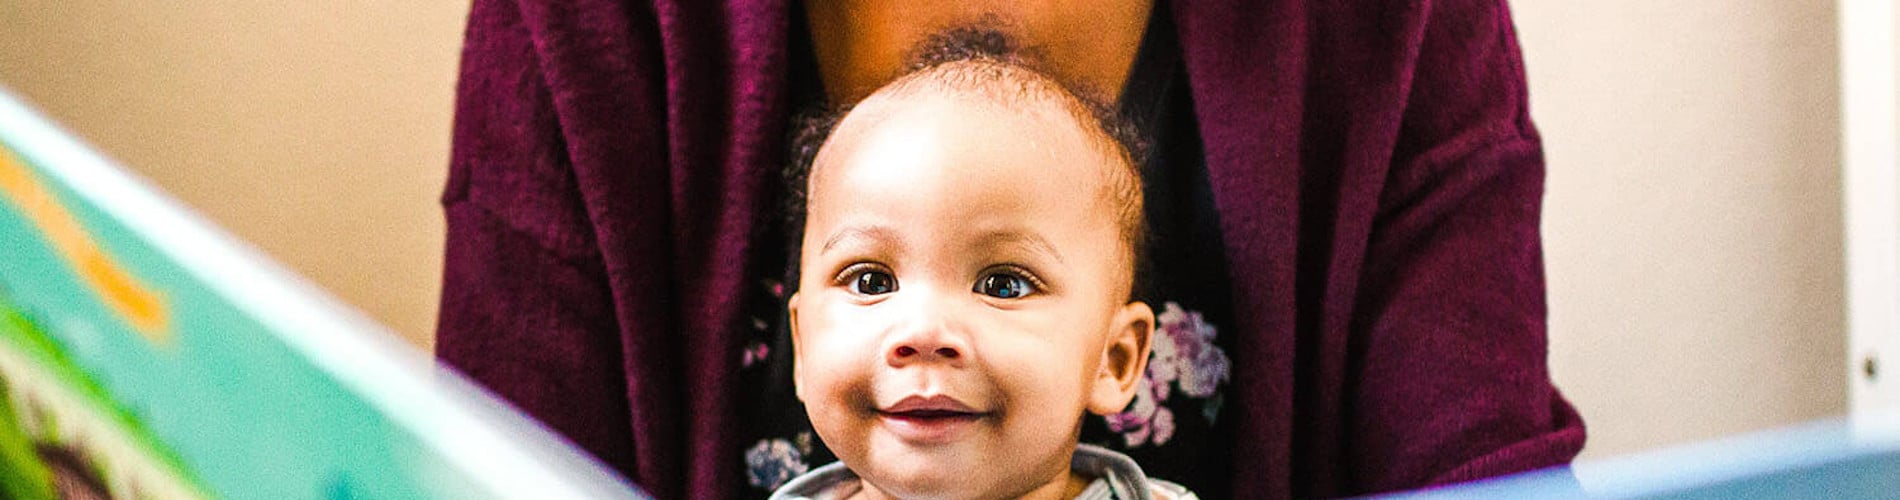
{"x":1089,"y":45}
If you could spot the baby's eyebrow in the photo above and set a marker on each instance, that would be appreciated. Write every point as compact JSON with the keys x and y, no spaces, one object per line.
{"x":1031,"y":240}
{"x":876,"y":233}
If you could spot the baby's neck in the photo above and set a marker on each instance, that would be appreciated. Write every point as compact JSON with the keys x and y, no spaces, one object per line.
{"x":1062,"y":487}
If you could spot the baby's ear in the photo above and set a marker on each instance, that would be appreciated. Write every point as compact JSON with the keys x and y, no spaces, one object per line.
{"x":1124,"y":359}
{"x":791,"y":320}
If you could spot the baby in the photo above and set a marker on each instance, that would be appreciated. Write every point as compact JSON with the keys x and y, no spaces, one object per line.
{"x":970,"y":240}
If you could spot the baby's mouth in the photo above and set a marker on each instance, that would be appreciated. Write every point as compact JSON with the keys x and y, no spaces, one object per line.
{"x":929,"y":419}
{"x":930,"y":414}
{"x":939,"y":406}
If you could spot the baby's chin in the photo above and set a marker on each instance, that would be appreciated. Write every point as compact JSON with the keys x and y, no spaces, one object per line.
{"x":948,"y":471}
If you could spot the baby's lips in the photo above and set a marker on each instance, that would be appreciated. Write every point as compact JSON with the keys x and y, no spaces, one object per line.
{"x":918,"y":403}
{"x":930,"y":420}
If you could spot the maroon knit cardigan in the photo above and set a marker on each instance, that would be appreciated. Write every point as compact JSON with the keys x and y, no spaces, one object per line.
{"x":1373,"y":162}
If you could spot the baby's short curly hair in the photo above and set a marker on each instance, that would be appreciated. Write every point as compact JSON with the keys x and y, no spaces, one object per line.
{"x":986,"y":62}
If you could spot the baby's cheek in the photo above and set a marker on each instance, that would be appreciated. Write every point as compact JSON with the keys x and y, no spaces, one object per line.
{"x":1049,"y":371}
{"x":837,"y":393}
{"x":836,"y":364}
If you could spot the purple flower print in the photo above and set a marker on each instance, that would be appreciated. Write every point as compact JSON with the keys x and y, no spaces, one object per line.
{"x":772,"y":462}
{"x":1183,"y":355}
{"x":754,"y":354}
{"x":1185,"y":352}
{"x":774,"y":286}
{"x":1163,"y":425}
{"x":1145,"y":419}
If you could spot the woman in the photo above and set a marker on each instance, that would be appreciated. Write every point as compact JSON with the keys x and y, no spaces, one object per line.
{"x":1350,"y":201}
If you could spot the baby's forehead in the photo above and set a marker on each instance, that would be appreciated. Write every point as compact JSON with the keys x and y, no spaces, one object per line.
{"x":964,"y":97}
{"x":961,"y":136}
{"x":885,"y":136}
{"x":1000,"y":96}
{"x":991,"y":87}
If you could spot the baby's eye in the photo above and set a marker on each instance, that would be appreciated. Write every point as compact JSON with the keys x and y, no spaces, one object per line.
{"x":1004,"y":286}
{"x":873,"y":282}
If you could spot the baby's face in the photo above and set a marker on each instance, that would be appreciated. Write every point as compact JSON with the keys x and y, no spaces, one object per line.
{"x":962,"y":299}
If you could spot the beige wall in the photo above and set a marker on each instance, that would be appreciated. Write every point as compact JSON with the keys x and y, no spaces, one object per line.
{"x":318,"y":131}
{"x":1692,"y":220}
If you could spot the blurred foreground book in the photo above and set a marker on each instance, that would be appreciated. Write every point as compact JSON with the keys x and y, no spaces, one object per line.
{"x":144,"y":353}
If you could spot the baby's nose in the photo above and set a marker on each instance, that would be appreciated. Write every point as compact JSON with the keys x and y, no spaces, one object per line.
{"x":927,"y":344}
{"x":905,"y":351}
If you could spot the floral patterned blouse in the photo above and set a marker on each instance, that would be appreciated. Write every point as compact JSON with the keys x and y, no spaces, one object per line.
{"x":1173,"y":427}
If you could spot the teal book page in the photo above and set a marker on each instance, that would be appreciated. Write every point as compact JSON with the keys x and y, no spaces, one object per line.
{"x":146,"y":354}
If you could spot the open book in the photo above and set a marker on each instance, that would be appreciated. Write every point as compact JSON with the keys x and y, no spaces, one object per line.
{"x":144,"y":353}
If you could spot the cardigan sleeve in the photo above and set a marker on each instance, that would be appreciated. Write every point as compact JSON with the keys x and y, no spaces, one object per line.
{"x":526,"y":309}
{"x":611,"y":164}
{"x":1454,"y":383}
